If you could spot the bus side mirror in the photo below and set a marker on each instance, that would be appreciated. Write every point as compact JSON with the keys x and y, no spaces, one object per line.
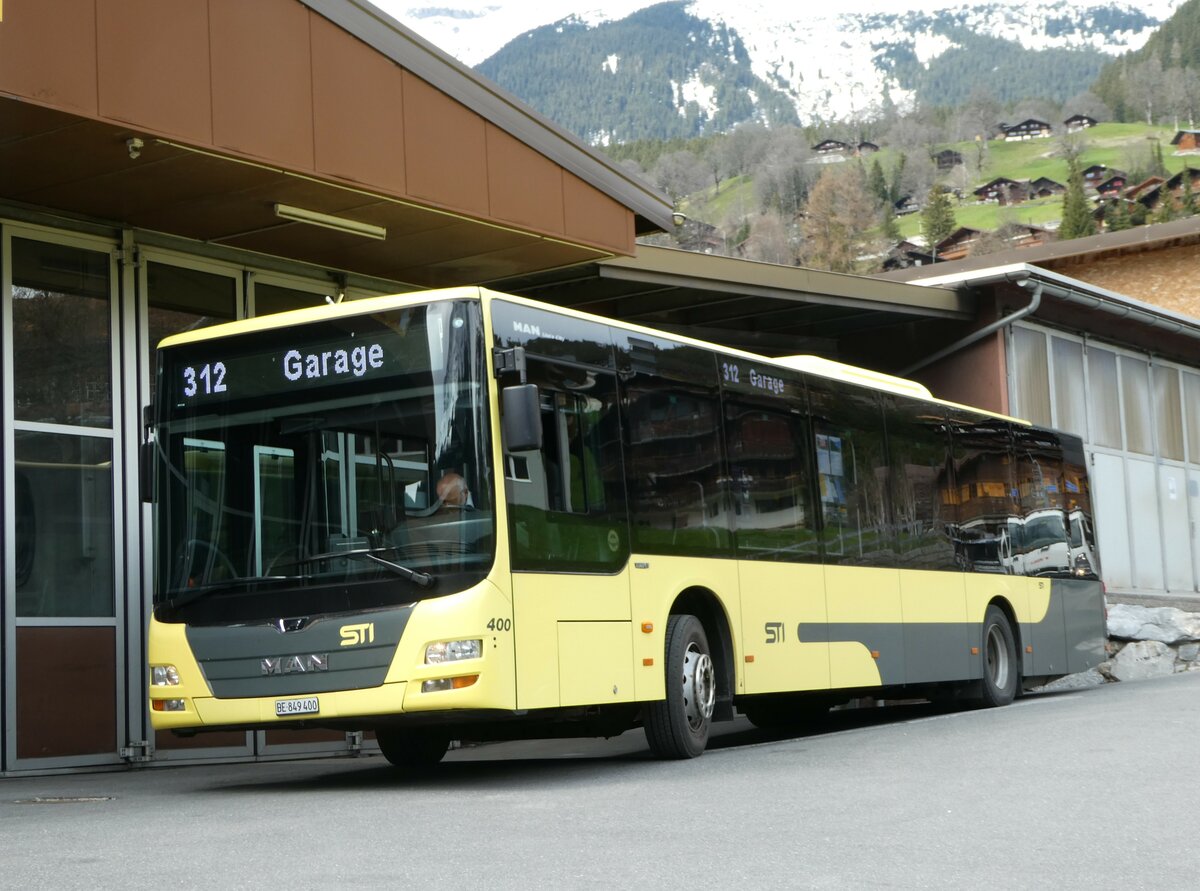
{"x":522,"y":428}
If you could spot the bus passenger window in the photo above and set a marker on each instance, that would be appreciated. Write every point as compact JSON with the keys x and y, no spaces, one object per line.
{"x":566,"y":503}
{"x":771,"y":484}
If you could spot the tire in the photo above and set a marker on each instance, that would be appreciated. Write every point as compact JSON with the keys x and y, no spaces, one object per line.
{"x":1001,"y":671}
{"x":412,"y":751}
{"x":678,"y":726}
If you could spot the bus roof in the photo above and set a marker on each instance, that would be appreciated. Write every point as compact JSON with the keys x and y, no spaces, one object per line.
{"x":816,"y":365}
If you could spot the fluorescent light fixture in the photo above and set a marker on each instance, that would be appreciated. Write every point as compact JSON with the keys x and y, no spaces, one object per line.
{"x":338,"y":224}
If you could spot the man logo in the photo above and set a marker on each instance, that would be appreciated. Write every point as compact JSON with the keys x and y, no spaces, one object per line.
{"x":295,"y":664}
{"x":353,"y":635}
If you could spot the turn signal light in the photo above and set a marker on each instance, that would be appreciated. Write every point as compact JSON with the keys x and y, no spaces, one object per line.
{"x":441,"y":684}
{"x":168,"y":705}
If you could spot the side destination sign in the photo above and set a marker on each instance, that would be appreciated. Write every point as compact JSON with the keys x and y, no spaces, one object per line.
{"x":253,"y":365}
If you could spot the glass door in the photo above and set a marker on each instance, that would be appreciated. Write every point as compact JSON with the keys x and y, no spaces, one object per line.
{"x":64,"y":641}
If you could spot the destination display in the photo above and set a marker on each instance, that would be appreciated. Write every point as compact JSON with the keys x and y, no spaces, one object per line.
{"x":278,"y":362}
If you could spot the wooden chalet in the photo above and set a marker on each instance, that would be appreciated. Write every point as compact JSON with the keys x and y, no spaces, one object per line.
{"x":1113,"y":185}
{"x":867,"y":148}
{"x":956,"y":245}
{"x":1146,"y":192}
{"x":910,"y":252}
{"x":1003,"y":190}
{"x":1077,"y":122}
{"x":1186,"y":141}
{"x":905,"y":205}
{"x":947,"y":159}
{"x":1030,"y":128}
{"x":1044,"y":187}
{"x":832,"y":147}
{"x":1098,"y":173}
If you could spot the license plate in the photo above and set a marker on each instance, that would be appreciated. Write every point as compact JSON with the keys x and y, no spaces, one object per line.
{"x":287,"y":707}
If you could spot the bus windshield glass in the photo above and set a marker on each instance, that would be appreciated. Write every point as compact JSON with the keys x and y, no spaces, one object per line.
{"x":327,"y":466}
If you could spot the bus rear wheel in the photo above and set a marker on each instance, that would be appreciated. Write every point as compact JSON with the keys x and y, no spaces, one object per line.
{"x":1001,"y":671}
{"x":678,"y":726}
{"x":412,"y":750}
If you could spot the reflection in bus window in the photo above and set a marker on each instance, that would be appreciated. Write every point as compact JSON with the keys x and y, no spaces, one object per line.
{"x":771,"y":484}
{"x":567,"y":501}
{"x":984,"y":496}
{"x":852,"y":475}
{"x":922,"y":492}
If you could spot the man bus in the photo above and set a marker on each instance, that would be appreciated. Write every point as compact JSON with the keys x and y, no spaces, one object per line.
{"x":639,"y":529}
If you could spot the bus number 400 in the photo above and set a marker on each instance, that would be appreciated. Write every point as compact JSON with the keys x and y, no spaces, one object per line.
{"x":500,"y":625}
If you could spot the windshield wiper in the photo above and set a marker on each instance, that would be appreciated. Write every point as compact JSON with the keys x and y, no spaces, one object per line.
{"x":418,"y":578}
{"x":190,"y":595}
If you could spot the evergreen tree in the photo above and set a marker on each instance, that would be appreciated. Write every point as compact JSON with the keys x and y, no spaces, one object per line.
{"x":895,"y":192}
{"x":1116,"y":216}
{"x":1166,"y":210}
{"x":1188,"y":205}
{"x":1077,"y":219}
{"x":890,"y":227}
{"x":1160,"y":166}
{"x":937,"y":217}
{"x":877,"y":184}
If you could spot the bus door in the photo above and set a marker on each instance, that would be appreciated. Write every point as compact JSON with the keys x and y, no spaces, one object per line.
{"x":569,"y":544}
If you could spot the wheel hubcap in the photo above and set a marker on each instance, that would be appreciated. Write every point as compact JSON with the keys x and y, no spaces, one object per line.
{"x":699,"y":687}
{"x":997,"y":657}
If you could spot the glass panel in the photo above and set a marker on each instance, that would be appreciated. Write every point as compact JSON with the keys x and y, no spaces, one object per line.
{"x":677,"y":500}
{"x":1041,"y":547}
{"x":922,"y":490}
{"x":1069,"y":403}
{"x":1032,"y":376}
{"x":985,"y":497}
{"x":1168,"y":414}
{"x":62,"y":334}
{"x":276,"y":298}
{"x":1077,"y":501}
{"x":326,"y":466}
{"x":568,"y":500}
{"x":1135,"y":392}
{"x":64,"y":529}
{"x":1191,"y":401}
{"x":772,"y":490}
{"x":182,"y":299}
{"x":852,"y":474}
{"x":1105,"y":401}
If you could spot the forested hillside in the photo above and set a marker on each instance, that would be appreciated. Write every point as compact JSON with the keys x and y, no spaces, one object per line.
{"x":660,"y":72}
{"x":1161,"y":81}
{"x":1008,"y":70}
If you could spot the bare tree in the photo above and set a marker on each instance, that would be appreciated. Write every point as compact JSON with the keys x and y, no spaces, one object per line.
{"x":1180,"y":86}
{"x":835,"y":230}
{"x":783,"y":175}
{"x":679,"y":174}
{"x":1087,"y":103}
{"x":1144,"y":86}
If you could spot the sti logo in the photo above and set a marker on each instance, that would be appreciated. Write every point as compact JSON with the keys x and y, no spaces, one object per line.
{"x":353,"y":635}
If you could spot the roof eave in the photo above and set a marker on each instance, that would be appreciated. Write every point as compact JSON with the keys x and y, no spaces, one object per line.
{"x":406,"y":48}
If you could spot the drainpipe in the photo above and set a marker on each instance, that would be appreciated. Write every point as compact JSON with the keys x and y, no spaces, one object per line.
{"x":975,"y":336}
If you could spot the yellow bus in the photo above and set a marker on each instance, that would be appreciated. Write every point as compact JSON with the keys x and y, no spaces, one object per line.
{"x":465,"y":515}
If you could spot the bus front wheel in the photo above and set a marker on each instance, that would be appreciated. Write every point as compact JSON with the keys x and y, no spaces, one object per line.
{"x":412,"y":750}
{"x":677,"y":727}
{"x":1001,"y":671}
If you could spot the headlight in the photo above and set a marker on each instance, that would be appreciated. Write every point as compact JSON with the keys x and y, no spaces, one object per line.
{"x":164,"y":676}
{"x":453,"y":651}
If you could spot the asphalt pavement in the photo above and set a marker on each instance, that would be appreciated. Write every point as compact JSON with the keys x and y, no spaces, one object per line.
{"x":1087,"y":788}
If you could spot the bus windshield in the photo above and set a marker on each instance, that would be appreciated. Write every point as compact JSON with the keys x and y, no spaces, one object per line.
{"x":328,"y":466}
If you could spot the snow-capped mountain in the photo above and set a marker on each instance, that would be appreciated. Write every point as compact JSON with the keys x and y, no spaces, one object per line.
{"x":828,"y":65}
